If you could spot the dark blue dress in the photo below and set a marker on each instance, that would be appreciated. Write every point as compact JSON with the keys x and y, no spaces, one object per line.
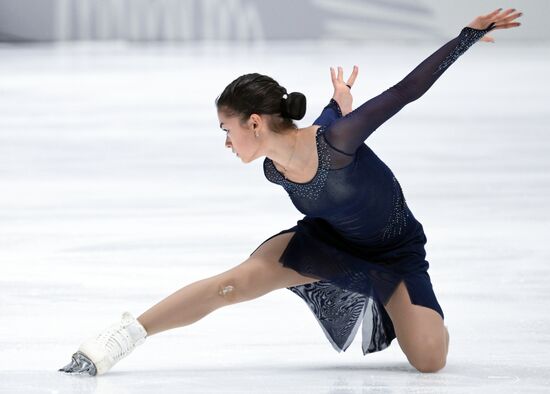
{"x":358,"y":235}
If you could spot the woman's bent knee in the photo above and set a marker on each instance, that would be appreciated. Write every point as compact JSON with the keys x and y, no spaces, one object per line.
{"x":430,"y":357}
{"x":430,"y":364}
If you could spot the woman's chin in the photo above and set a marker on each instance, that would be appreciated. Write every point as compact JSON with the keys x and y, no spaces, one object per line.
{"x":246,"y":160}
{"x":243,"y":160}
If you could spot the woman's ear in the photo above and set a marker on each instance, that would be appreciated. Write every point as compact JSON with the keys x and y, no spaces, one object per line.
{"x":255,"y":121}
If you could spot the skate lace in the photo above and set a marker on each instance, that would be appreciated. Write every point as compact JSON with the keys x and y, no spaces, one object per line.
{"x":117,"y":341}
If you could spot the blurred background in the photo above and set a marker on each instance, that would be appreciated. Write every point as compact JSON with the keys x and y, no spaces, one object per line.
{"x":116,"y":188}
{"x":249,"y":20}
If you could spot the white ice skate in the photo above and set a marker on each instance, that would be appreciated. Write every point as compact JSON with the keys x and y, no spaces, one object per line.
{"x":98,"y":354}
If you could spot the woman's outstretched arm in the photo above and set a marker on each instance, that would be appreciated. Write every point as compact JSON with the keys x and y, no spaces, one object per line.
{"x":348,"y":133}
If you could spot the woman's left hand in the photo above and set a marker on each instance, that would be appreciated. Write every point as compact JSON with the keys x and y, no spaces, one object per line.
{"x":342,"y":92}
{"x":501,"y":19}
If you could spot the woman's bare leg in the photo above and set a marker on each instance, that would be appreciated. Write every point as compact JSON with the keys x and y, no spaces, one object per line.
{"x":258,"y":275}
{"x":420,"y":331}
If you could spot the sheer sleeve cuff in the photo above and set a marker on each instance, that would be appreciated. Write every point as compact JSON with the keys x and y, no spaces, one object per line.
{"x":468,"y":37}
{"x":334,"y":104}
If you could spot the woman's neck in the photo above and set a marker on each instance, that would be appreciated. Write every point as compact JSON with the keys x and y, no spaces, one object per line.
{"x":290,"y":149}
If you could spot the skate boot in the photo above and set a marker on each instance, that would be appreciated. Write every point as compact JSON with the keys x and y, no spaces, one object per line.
{"x":98,"y":354}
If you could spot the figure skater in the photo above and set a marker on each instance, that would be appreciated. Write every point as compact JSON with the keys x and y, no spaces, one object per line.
{"x":357,"y":256}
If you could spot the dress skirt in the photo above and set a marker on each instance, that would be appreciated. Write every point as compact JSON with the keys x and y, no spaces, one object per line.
{"x":355,"y":282}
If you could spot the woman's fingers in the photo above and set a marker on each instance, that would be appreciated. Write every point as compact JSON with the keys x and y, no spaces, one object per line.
{"x":506,"y":16}
{"x":353,"y":76}
{"x":509,"y":18}
{"x":497,"y":15}
{"x":491,"y":14}
{"x":500,"y":19}
{"x":508,"y":25}
{"x":340,"y":77}
{"x":501,"y":14}
{"x":506,"y":22}
{"x":506,"y":13}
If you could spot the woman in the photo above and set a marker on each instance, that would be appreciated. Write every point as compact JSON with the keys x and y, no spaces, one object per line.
{"x":358,"y":254}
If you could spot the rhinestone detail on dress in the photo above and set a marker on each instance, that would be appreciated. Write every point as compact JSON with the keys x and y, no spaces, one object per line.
{"x":334,"y":104}
{"x":310,"y":189}
{"x":469,"y":37}
{"x":399,"y":215}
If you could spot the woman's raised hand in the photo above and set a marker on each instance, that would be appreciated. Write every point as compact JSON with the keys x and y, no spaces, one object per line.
{"x":342,"y":90}
{"x":501,"y":19}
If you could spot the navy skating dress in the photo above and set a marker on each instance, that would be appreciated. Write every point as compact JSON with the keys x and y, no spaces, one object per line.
{"x":358,"y":235}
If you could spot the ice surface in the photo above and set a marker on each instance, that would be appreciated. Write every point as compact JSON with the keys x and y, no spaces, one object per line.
{"x":116,"y":190}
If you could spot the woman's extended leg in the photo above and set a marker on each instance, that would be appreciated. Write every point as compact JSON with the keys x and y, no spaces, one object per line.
{"x":259,"y":274}
{"x":420,"y":331}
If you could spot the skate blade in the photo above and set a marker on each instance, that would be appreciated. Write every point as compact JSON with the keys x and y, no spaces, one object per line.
{"x":80,"y":365}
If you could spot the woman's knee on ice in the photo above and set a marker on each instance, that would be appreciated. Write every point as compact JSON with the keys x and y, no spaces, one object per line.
{"x":429,"y":354}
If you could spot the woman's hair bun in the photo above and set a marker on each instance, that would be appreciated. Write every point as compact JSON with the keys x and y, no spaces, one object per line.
{"x":294,"y":106}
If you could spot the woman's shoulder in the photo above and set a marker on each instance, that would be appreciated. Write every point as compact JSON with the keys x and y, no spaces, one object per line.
{"x":313,"y":130}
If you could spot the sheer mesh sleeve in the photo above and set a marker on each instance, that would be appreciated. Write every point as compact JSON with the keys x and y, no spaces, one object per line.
{"x":346,"y":134}
{"x":330,"y":113}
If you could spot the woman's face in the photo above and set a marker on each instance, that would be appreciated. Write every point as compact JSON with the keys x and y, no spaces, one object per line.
{"x":240,"y":139}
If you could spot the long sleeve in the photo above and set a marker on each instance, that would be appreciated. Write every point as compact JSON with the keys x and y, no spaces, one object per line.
{"x":330,"y":113}
{"x":348,"y":133}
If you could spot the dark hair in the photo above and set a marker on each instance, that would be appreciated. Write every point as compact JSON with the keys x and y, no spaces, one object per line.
{"x":259,"y":94}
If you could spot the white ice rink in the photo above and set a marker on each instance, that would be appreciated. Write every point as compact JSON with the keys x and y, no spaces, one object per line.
{"x":116,"y":190}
